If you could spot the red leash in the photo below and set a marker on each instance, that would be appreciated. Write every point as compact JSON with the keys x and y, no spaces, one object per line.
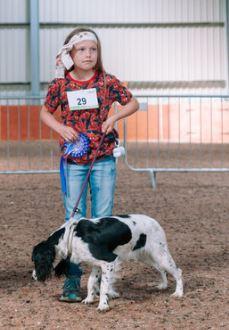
{"x":76,"y":210}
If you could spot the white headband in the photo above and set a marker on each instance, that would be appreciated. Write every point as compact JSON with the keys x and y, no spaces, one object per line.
{"x":86,"y":35}
{"x":64,"y":51}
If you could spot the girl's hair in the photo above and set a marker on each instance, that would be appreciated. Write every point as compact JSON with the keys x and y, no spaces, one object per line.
{"x":99,"y":65}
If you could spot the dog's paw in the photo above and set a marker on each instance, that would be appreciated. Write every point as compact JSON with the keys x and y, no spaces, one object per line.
{"x":113,"y":295}
{"x":104,"y":307}
{"x":88,"y":300}
{"x":34,"y":275}
{"x":177,"y":294}
{"x":162,"y":286}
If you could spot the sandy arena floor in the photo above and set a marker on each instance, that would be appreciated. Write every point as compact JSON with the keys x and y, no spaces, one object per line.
{"x":192,"y":208}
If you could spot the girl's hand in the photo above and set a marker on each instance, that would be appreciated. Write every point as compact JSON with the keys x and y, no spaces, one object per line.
{"x":58,"y":61}
{"x":108,"y":125}
{"x":131,"y":107}
{"x":68,"y":133}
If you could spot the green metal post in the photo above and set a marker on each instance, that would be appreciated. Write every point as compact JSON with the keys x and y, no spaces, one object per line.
{"x":34,"y":48}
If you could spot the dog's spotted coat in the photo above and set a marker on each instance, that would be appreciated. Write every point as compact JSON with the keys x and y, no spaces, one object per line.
{"x":105,"y":243}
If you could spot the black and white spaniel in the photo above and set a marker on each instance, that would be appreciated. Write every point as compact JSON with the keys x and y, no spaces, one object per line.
{"x":105,"y":243}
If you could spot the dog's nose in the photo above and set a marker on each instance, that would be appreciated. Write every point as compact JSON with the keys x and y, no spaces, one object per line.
{"x":34,"y":275}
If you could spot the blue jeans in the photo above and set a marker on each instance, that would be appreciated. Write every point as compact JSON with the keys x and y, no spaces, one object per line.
{"x":102,"y":186}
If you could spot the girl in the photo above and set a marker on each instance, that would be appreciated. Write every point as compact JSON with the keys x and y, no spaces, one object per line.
{"x":85,"y":93}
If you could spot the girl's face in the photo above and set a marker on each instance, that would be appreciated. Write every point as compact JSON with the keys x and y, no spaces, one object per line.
{"x":85,"y":54}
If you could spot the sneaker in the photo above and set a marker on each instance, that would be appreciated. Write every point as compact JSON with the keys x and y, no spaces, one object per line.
{"x":71,"y":290}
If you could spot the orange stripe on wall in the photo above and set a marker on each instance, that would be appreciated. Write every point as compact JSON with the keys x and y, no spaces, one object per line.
{"x":23,"y":123}
{"x":167,"y":123}
{"x":142,"y":125}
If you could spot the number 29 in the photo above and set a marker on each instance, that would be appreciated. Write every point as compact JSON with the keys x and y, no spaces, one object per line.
{"x":81,"y":101}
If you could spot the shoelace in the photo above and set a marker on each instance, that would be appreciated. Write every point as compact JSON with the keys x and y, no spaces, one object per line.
{"x":71,"y":284}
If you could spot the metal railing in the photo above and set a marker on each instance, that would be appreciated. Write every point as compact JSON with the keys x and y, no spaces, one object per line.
{"x":178,"y":134}
{"x":168,"y":134}
{"x":26,"y":144}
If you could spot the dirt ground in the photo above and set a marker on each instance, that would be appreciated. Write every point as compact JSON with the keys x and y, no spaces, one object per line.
{"x":192,"y":208}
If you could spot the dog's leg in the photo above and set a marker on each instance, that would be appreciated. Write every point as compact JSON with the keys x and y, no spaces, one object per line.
{"x":93,"y":285}
{"x":98,"y":282}
{"x":106,"y":280}
{"x":177,"y":274}
{"x":112,"y":293}
{"x":164,"y":282}
{"x":166,"y":263}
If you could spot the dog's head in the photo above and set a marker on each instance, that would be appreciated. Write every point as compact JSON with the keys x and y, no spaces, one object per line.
{"x":43,"y":257}
{"x":44,"y":254}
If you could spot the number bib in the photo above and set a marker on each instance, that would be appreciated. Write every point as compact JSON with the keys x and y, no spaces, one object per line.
{"x":83,"y":99}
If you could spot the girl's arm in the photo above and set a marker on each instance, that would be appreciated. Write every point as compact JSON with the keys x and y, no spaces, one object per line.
{"x":127,"y":110}
{"x":68,"y":133}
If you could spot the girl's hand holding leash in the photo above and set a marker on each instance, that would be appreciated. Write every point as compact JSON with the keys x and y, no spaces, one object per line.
{"x":108,"y":125}
{"x":127,"y":110}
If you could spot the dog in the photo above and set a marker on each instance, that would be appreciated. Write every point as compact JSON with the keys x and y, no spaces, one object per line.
{"x":105,"y":243}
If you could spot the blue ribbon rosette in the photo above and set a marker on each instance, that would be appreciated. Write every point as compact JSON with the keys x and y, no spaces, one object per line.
{"x":78,"y":148}
{"x":75,"y":149}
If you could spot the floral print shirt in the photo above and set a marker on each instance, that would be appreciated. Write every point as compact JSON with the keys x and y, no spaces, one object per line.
{"x":88,"y":121}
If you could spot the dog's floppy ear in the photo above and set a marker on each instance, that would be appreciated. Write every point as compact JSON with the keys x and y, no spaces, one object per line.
{"x":43,"y":256}
{"x":62,"y":268}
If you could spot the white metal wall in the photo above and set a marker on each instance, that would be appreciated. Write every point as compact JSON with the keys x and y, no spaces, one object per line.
{"x":131,"y":11}
{"x":145,"y":54}
{"x":14,"y":54}
{"x":13,"y":11}
{"x":151,"y":53}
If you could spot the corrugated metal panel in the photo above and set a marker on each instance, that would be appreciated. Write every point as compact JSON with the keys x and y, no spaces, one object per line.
{"x":165,"y":54}
{"x":14,"y":54}
{"x":131,"y":11}
{"x":50,"y":42}
{"x":13,"y":11}
{"x":133,"y":54}
{"x":15,"y":90}
{"x":145,"y":54}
